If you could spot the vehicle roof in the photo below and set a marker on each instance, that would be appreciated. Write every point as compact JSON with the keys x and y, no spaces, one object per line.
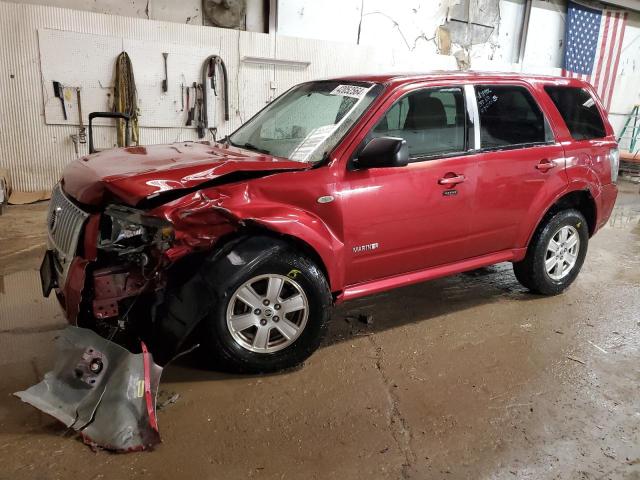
{"x":402,"y":78}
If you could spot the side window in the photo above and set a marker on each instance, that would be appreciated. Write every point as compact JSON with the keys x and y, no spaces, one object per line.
{"x":509,"y":116}
{"x":579,"y":112}
{"x":433,"y":122}
{"x":395,"y":118}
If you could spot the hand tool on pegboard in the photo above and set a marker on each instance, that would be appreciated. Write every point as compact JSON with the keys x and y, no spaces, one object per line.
{"x":58,"y":90}
{"x":82,"y":133}
{"x":191,"y":101}
{"x":201,"y":124}
{"x":81,"y":136}
{"x":165,"y":82}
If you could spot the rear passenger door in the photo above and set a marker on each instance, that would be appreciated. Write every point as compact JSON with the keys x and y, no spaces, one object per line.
{"x":521,"y":166}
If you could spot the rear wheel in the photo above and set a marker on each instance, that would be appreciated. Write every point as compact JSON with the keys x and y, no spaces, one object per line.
{"x":556,"y":253}
{"x":271,"y":309}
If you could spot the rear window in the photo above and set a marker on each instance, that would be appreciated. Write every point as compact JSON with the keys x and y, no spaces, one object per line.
{"x":579,"y":111}
{"x":509,"y":116}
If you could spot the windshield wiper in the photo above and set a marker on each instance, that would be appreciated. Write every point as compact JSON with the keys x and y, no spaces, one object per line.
{"x":250,"y":146}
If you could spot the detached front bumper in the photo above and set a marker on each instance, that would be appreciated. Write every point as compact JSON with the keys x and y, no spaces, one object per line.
{"x":102,"y":391}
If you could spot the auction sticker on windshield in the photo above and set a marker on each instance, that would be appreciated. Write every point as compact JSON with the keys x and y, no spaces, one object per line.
{"x":353,"y":91}
{"x":311,"y":142}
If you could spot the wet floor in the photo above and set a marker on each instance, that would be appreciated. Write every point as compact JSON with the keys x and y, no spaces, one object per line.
{"x":464,"y":377}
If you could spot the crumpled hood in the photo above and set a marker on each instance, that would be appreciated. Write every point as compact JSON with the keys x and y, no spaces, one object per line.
{"x":133,"y":174}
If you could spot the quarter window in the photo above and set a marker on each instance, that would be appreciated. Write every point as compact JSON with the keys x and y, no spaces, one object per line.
{"x":579,"y":112}
{"x":433,"y":122}
{"x":509,"y":116}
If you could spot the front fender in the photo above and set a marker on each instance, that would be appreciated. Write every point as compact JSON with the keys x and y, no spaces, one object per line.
{"x":303,"y":226}
{"x":203,"y":217}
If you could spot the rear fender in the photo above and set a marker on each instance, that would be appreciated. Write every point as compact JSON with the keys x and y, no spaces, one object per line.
{"x":554,"y":188}
{"x":529,"y":228}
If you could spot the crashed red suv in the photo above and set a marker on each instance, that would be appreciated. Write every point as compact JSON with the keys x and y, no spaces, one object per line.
{"x":337,"y":189}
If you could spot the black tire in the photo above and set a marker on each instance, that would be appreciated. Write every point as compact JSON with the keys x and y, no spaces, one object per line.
{"x":531,"y":271}
{"x":251,"y":258}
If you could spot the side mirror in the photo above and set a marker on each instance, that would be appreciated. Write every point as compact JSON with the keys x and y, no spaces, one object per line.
{"x":383,"y":152}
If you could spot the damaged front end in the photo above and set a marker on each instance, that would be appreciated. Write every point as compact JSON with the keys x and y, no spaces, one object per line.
{"x":128,"y":275}
{"x":112,"y":271}
{"x":108,"y":270}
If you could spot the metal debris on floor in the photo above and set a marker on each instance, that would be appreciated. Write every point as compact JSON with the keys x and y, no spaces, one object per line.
{"x":102,"y":391}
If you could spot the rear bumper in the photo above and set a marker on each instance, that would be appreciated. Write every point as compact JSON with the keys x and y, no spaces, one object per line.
{"x":604,"y":204}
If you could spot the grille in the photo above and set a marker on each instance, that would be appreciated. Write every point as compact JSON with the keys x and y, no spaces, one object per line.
{"x":64,"y":224}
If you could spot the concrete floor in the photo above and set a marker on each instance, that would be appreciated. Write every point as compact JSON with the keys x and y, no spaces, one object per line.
{"x":463,"y":377}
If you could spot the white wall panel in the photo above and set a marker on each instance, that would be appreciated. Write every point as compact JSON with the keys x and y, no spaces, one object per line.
{"x":35,"y":153}
{"x":88,"y":63}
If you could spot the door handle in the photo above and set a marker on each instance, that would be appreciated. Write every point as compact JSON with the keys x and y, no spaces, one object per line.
{"x":453,"y":180}
{"x":545,"y":165}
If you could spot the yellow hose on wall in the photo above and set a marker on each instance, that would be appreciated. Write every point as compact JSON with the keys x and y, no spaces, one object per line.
{"x":125,"y":99}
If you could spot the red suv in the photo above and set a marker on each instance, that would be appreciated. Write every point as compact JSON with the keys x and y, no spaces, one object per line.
{"x":337,"y":189}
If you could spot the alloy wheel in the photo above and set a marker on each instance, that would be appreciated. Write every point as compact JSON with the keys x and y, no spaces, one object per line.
{"x":562,"y":252}
{"x":267,"y":313}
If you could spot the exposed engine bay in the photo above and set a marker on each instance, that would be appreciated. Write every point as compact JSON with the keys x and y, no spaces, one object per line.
{"x":128,"y":265}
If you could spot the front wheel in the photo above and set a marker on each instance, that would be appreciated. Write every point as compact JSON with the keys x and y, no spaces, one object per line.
{"x":556,"y":253}
{"x":271,"y":309}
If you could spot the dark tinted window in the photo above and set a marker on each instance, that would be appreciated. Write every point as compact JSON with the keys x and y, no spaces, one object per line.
{"x":579,"y":112}
{"x":509,"y":116}
{"x":433,"y":122}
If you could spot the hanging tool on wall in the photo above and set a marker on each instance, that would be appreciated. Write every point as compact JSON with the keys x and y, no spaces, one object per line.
{"x":82,"y":133}
{"x":125,"y":100}
{"x":81,"y":136}
{"x":191,"y":105}
{"x":209,"y":67}
{"x":201,"y":123}
{"x":182,"y":92}
{"x":58,"y":90}
{"x":165,"y":82}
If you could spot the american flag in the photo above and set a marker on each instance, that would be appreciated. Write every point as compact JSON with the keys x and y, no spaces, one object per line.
{"x":593,"y":42}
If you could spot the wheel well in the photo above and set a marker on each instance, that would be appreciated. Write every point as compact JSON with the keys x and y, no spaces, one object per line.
{"x":295,"y":242}
{"x":581,"y":201}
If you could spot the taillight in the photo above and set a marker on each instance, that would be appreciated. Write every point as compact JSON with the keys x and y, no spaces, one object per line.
{"x":614,"y":158}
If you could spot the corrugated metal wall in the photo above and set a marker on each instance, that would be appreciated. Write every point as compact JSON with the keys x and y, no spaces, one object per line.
{"x":35,"y":153}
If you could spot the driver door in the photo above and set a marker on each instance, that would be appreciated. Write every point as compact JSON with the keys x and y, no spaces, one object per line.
{"x":403,"y":219}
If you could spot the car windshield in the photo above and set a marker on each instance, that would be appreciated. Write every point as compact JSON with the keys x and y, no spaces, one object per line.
{"x":308,"y":121}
